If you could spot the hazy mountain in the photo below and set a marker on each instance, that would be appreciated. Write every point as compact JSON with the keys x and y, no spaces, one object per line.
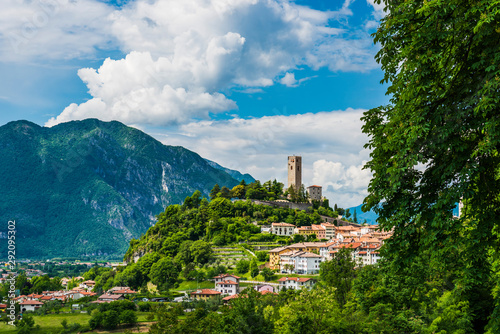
{"x":234,"y":173}
{"x":87,"y":187}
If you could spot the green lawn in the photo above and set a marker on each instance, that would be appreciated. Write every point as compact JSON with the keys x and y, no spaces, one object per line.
{"x":50,"y":323}
{"x":192,"y":285}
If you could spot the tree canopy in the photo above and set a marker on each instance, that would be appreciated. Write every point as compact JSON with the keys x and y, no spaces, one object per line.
{"x":437,"y":143}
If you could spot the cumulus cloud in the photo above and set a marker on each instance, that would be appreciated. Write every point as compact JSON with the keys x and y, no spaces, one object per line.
{"x":53,"y":29}
{"x":331,"y":144}
{"x":183,"y":54}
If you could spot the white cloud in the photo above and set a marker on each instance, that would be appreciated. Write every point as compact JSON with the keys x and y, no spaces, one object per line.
{"x":331,"y":144}
{"x":183,"y":54}
{"x":138,"y":89}
{"x":52,"y":29}
{"x":289,"y":80}
{"x":379,"y":9}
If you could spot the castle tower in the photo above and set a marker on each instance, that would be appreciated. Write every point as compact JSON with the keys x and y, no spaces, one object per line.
{"x":295,"y":172}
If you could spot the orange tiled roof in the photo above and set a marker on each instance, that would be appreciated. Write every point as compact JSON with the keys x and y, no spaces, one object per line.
{"x":205,"y":292}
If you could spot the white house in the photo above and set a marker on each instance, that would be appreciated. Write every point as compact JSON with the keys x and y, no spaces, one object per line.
{"x":296,"y":283}
{"x":87,"y":285}
{"x":227,"y":277}
{"x":307,"y":263}
{"x":300,"y":262}
{"x":227,"y":284}
{"x":227,"y":287}
{"x":30,"y":305}
{"x":282,"y":228}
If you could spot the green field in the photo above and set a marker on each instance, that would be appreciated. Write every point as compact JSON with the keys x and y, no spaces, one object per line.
{"x":192,"y":285}
{"x":52,"y":323}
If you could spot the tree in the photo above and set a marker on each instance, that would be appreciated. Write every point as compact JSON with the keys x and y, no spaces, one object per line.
{"x":254,"y":269}
{"x":242,"y":266}
{"x":201,"y":252}
{"x":238,"y":191}
{"x":267,"y":273}
{"x":164,"y":273}
{"x":225,"y":193}
{"x":437,"y":141}
{"x":214,"y":192}
{"x":128,"y":317}
{"x":339,"y":273}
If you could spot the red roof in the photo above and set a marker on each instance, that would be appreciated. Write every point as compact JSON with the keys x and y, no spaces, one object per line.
{"x":106,"y":296}
{"x":123,"y":291}
{"x":297,"y":279}
{"x":31,"y":302}
{"x":227,"y":282}
{"x":227,"y":275}
{"x":205,"y":292}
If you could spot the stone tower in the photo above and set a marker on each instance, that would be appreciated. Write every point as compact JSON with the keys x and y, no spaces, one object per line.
{"x":295,"y":172}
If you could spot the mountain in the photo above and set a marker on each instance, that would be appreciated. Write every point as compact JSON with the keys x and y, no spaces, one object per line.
{"x":88,"y":187}
{"x":370,"y":216}
{"x":234,"y":173}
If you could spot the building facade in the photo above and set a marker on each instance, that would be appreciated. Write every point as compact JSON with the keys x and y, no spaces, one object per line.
{"x":315,"y":193}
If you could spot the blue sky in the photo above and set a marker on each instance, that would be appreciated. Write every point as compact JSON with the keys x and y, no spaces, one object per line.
{"x":242,"y":82}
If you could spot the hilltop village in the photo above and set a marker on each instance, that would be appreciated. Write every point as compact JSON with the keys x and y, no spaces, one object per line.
{"x":268,"y":245}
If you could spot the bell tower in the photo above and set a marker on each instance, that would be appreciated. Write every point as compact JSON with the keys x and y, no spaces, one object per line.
{"x":295,"y":172}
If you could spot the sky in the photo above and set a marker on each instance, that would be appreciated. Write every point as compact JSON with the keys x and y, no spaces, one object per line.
{"x":245,"y":83}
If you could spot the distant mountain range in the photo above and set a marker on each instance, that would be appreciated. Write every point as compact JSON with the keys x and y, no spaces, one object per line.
{"x":88,"y":187}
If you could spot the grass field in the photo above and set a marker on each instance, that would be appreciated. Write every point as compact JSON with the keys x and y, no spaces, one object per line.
{"x":52,"y":323}
{"x":192,"y":285}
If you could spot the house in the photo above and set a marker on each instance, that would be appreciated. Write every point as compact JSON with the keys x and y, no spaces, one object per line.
{"x":305,"y":230}
{"x":274,"y":257}
{"x":307,"y":263}
{"x":369,"y":229}
{"x":227,"y":287}
{"x":227,"y":299}
{"x":204,"y":294}
{"x":89,"y":285}
{"x":300,"y":262}
{"x":30,"y":305}
{"x":109,"y":298}
{"x":296,"y":283}
{"x":282,"y":229}
{"x":226,"y":277}
{"x":227,"y":284}
{"x":329,"y":230}
{"x":264,"y":287}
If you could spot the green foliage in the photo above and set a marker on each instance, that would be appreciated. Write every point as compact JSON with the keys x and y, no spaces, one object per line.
{"x":262,"y":256}
{"x":268,"y":274}
{"x":437,"y":143}
{"x":339,"y":273}
{"x":254,"y":268}
{"x":164,"y":273}
{"x":242,"y":266}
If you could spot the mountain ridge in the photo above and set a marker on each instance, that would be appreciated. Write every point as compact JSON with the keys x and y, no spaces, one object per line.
{"x":96,"y":183}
